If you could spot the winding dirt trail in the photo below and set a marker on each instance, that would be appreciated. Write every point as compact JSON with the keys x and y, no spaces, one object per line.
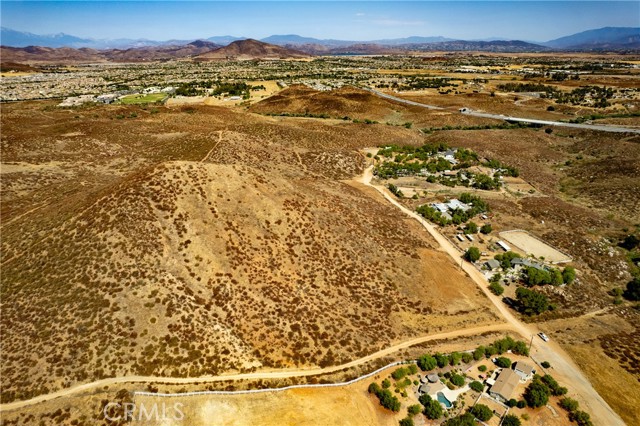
{"x":265,"y":374}
{"x":565,"y":370}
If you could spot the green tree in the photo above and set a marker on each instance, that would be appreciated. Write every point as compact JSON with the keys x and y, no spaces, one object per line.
{"x":412,"y":368}
{"x":472,"y":254}
{"x":478,"y":353}
{"x":457,"y":379}
{"x":414,"y":409}
{"x":531,"y":302}
{"x":511,"y":420}
{"x":568,"y":275}
{"x":442,"y":360}
{"x":471,"y":228}
{"x":486,"y":228}
{"x":581,"y":418}
{"x":545,"y":364}
{"x":427,"y":363}
{"x":569,"y":404}
{"x":407,"y":421}
{"x":399,"y":373}
{"x":630,"y":242}
{"x":476,"y":386}
{"x":482,"y":412}
{"x":556,"y":277}
{"x":432,"y":408}
{"x":633,"y":290}
{"x":554,"y":386}
{"x":503,"y":362}
{"x":455,"y":358}
{"x":535,"y":276}
{"x":482,"y":368}
{"x":467,"y":357}
{"x":466,"y":419}
{"x":386,"y":384}
{"x":496,"y":288}
{"x":537,"y":393}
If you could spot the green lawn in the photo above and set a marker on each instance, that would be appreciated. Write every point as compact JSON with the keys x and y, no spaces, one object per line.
{"x":143,"y":99}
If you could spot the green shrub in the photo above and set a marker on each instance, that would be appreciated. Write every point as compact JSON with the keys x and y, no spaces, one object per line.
{"x":476,"y":386}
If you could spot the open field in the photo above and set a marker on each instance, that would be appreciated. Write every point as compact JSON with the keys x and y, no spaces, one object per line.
{"x":143,"y":99}
{"x":528,"y":244}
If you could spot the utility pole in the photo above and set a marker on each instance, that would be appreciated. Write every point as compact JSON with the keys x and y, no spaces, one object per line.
{"x":531,"y":343}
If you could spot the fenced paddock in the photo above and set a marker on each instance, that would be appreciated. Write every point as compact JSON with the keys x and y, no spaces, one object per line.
{"x":526,"y":243}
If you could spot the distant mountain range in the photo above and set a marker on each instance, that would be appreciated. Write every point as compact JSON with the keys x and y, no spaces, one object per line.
{"x":608,"y":38}
{"x":603,"y":39}
{"x":199,"y":50}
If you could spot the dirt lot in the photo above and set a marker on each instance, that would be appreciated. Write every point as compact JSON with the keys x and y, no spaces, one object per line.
{"x":528,"y":244}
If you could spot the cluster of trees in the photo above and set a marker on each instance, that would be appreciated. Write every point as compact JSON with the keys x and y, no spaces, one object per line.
{"x":400,"y":166}
{"x":432,"y":408}
{"x":402,"y":372}
{"x":578,"y":96}
{"x":485,"y":182}
{"x":469,"y":418}
{"x":458,"y":216}
{"x":532,"y":302}
{"x":504,"y":169}
{"x":506,"y":258}
{"x":197,"y":88}
{"x":527,"y":87}
{"x":575,"y":415}
{"x":417,"y":83}
{"x":538,"y":392}
{"x":553,"y":276}
{"x":387,"y":400}
{"x":432,"y":215}
{"x":501,"y":126}
{"x":395,"y":190}
{"x":428,"y":362}
{"x":422,"y":152}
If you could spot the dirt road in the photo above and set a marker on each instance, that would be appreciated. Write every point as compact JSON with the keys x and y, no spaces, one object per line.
{"x":565,"y":370}
{"x":265,"y":374}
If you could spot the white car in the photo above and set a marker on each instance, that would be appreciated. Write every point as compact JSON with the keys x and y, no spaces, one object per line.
{"x":543,"y":337}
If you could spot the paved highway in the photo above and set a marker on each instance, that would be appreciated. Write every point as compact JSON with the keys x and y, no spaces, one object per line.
{"x":467,"y":111}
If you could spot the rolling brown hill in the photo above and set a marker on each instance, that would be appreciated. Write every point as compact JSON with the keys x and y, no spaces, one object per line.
{"x":354,"y":103}
{"x":37,"y":54}
{"x":198,"y":240}
{"x":252,"y":49}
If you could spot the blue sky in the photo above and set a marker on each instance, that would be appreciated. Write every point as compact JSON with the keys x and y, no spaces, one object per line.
{"x":359,"y":20}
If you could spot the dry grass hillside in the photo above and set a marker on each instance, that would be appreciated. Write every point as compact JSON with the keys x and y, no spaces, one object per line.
{"x":359,"y":104}
{"x":199,"y":240}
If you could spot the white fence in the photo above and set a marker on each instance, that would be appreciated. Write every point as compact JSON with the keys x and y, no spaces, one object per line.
{"x":249,"y":391}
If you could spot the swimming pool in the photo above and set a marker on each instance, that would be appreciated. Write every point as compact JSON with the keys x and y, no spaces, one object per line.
{"x":443,"y":399}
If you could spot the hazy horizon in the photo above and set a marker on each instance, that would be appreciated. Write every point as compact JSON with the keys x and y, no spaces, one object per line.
{"x":357,"y":21}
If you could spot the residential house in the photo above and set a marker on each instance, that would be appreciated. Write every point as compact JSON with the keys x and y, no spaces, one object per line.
{"x":524,"y":370}
{"x":505,"y":385}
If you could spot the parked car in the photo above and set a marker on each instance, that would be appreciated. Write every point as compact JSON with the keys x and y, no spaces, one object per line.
{"x":543,"y":337}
